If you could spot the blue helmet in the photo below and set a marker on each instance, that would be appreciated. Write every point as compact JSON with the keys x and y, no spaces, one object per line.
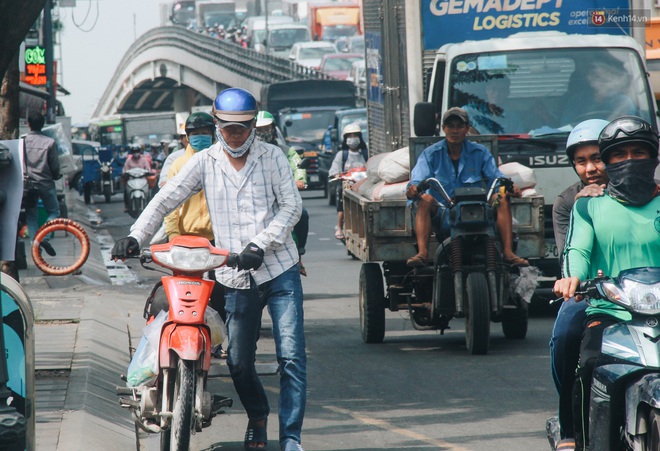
{"x":235,"y":105}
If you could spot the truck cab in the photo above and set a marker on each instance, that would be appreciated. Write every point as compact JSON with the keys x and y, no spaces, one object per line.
{"x":530,"y":90}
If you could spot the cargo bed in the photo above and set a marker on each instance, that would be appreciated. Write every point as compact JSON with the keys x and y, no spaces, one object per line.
{"x":379,"y":231}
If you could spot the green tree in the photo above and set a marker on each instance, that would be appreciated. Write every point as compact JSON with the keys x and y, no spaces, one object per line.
{"x":16,"y":18}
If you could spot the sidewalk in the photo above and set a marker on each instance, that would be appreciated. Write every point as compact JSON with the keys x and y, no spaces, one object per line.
{"x":81,"y":347}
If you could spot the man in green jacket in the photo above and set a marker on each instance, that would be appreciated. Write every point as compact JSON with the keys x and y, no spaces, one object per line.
{"x":619,"y":230}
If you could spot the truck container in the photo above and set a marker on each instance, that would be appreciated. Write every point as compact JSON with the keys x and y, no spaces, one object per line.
{"x":329,"y":21}
{"x":215,"y":13}
{"x":183,"y":12}
{"x":447,"y":53}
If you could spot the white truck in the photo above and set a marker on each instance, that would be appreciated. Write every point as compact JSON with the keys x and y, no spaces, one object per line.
{"x":561,"y":63}
{"x":214,"y":13}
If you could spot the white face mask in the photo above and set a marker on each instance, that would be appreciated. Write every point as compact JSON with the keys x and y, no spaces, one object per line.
{"x":353,"y":143}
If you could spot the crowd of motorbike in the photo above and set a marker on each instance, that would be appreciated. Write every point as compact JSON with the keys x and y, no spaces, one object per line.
{"x":103,"y":175}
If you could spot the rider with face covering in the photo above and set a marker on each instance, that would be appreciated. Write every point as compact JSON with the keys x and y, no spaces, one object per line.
{"x":613,"y":232}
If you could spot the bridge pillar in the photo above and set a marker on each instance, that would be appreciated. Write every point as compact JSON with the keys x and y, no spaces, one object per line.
{"x":184,"y":99}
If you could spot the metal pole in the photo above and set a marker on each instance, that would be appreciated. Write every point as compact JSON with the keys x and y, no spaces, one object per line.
{"x":48,"y":45}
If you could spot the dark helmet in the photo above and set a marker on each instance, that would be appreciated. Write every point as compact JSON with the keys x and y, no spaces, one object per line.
{"x":235,"y":105}
{"x":627,"y":129}
{"x":199,"y":120}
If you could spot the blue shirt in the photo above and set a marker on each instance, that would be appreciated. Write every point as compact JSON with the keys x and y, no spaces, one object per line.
{"x":476,"y":167}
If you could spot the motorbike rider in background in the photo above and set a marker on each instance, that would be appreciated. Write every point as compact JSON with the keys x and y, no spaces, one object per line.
{"x":611,"y":233}
{"x":266,"y":133}
{"x":352,"y":153}
{"x":136,"y":159}
{"x":254,"y":204}
{"x":174,"y":154}
{"x":584,"y":154}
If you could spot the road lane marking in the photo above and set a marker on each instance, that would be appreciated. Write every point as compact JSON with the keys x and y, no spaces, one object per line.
{"x":382,"y":424}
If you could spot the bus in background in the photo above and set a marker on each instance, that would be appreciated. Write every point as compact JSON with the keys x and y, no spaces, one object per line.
{"x":107,"y":130}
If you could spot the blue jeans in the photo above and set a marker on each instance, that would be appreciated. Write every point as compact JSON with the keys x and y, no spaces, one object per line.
{"x":284,"y":298}
{"x":564,"y":355}
{"x":51,"y":204}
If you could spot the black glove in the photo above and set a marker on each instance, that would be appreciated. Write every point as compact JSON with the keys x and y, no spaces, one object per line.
{"x":124,"y":248}
{"x":251,"y":258}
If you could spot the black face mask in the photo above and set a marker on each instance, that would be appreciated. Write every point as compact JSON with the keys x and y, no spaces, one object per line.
{"x":631,"y":181}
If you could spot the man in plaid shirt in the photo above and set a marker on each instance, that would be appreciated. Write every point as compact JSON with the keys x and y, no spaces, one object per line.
{"x":253,"y":203}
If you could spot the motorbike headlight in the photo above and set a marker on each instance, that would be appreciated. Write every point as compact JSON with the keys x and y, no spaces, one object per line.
{"x":641,"y":297}
{"x":105,"y":168}
{"x":186,"y":259}
{"x":473,"y":213}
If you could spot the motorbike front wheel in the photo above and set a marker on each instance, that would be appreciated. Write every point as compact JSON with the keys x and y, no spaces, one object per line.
{"x":107,"y":192}
{"x":177,"y":438}
{"x":477,"y":317}
{"x":137,"y":205}
{"x":653,"y":434}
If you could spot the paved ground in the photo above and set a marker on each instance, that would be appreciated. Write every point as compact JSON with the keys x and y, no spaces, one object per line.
{"x":82,"y":348}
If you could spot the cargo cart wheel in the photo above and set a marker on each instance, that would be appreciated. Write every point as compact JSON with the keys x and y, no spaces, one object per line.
{"x":372,"y":306}
{"x":514,"y":322}
{"x":477,"y":315}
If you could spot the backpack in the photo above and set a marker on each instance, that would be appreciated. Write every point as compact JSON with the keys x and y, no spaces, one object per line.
{"x":344,"y":156}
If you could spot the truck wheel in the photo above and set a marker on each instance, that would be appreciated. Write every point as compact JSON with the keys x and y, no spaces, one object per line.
{"x":372,"y":307}
{"x":477,"y":315}
{"x":332,"y":196}
{"x":75,"y":181}
{"x":514,"y":322}
{"x":87,"y":192}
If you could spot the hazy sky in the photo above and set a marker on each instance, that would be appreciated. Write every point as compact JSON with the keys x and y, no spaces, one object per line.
{"x":92,"y":50}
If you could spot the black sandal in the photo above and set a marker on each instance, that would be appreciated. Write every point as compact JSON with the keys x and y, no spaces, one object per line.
{"x":256,"y":434}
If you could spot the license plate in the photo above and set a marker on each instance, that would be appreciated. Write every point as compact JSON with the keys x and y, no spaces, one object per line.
{"x":314,"y":178}
{"x":311,"y":153}
{"x":551,"y":250}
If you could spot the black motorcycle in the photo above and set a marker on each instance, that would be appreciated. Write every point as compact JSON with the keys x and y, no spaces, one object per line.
{"x":624,"y":411}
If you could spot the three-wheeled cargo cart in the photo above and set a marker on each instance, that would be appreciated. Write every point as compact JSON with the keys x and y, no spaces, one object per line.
{"x":380,"y":233}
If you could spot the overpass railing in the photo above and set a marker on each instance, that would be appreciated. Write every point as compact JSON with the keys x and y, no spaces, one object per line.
{"x":248,"y":63}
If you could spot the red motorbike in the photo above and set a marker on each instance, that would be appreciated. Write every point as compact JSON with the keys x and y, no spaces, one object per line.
{"x":177,"y":403}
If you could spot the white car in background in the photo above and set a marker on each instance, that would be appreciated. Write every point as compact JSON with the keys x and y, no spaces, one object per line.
{"x":310,"y":54}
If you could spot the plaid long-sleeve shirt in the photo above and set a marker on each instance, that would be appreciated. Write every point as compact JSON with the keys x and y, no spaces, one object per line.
{"x":259,"y":204}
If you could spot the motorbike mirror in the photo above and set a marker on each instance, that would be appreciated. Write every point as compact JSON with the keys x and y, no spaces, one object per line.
{"x":305,"y":163}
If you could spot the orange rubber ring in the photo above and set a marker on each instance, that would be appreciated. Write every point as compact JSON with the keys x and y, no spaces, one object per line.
{"x":66,"y":225}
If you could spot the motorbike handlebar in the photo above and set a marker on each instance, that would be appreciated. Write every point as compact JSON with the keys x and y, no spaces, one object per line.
{"x":436,"y":185}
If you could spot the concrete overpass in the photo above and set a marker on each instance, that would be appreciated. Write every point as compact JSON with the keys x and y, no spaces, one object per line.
{"x":174,"y":69}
